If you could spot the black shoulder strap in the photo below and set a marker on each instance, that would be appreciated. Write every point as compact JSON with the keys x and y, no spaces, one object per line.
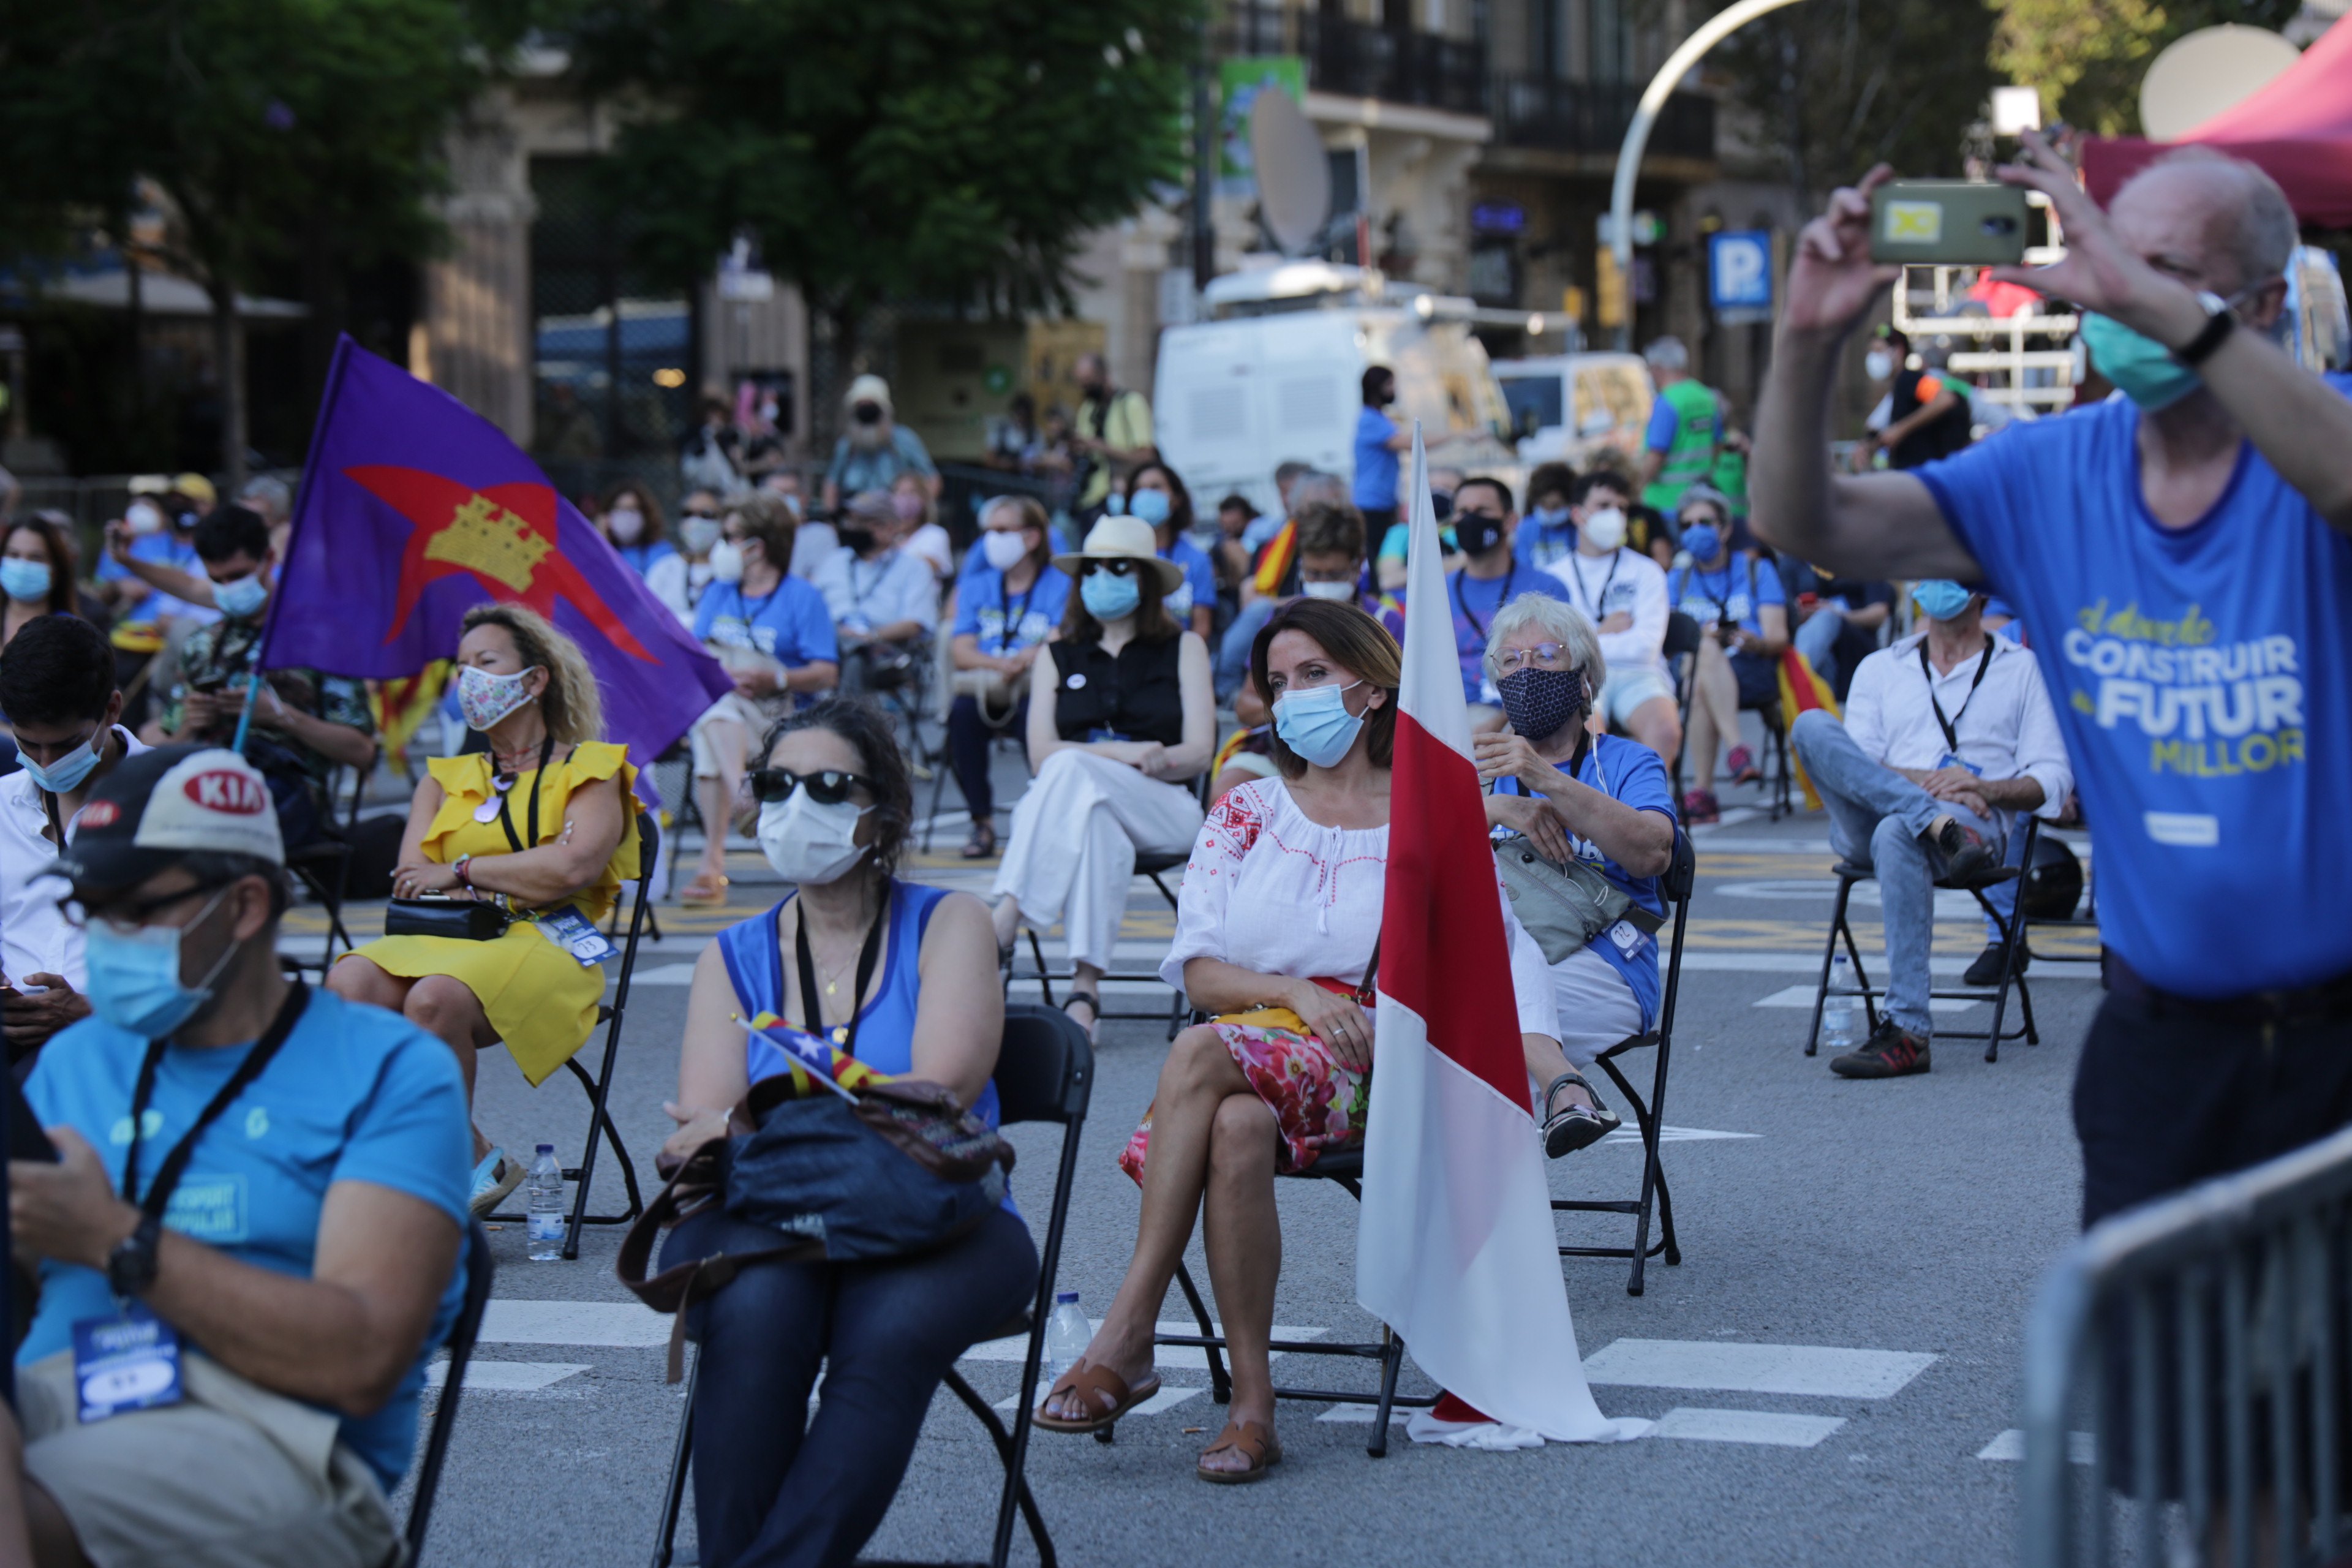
{"x":812,"y":1007}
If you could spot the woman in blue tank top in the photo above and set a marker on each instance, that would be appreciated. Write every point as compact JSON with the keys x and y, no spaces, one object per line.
{"x":771,"y":1484}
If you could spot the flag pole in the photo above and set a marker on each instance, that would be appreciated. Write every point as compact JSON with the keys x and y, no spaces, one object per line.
{"x":302,"y":493}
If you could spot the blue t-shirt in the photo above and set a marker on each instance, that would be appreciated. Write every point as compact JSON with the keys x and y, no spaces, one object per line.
{"x":164,"y":549}
{"x":1376,"y":461}
{"x":1008,"y":622}
{"x":1659,"y":435}
{"x":1200,"y":583}
{"x":356,"y":1094}
{"x":641,"y":557}
{"x":790,"y":625}
{"x":1627,"y":770}
{"x":1722,"y":594}
{"x":2183,"y":664}
{"x":1473,"y":601}
{"x":1538,"y":544}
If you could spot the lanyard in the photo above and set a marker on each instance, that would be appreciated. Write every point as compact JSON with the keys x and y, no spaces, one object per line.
{"x":1615,"y":558}
{"x":1952,"y":725}
{"x":176,"y":1163}
{"x":857,"y":595}
{"x":1721,"y":595}
{"x":1462,"y":604}
{"x":811,"y":1010}
{"x":1008,"y":639}
{"x":538,"y":783}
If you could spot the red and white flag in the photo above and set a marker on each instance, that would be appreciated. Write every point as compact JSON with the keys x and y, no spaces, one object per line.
{"x":1455,"y":1250}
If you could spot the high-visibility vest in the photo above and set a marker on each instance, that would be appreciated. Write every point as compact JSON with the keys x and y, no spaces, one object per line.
{"x":1692,"y":457}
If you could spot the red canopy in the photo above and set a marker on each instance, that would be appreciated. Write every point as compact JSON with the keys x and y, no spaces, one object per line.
{"x":2299,"y":128}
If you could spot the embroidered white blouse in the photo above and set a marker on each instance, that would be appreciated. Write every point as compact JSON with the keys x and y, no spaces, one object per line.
{"x":1276,"y":893}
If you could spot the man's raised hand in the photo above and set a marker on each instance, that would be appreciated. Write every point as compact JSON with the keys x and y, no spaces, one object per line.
{"x":1833,"y":282}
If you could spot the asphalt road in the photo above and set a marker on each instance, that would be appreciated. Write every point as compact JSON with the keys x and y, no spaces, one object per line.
{"x":1905,"y":1219}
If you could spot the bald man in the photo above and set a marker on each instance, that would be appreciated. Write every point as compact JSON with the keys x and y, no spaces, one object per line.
{"x":2183,"y":554}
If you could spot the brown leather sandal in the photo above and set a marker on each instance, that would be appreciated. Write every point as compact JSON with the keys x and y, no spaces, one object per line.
{"x":1252,"y":1438}
{"x":1086,"y":1380}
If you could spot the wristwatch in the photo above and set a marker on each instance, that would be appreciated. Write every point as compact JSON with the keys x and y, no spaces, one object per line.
{"x":463,"y":865}
{"x":131,"y":1267}
{"x":2220,"y":320}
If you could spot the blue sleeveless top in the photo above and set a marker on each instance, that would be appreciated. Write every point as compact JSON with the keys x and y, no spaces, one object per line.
{"x":753,"y":950}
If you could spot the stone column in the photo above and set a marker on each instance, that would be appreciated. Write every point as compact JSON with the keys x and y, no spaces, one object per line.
{"x":478,"y":296}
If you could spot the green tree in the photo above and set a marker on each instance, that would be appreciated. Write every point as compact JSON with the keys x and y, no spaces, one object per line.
{"x":2087,"y":55}
{"x":887,"y":149}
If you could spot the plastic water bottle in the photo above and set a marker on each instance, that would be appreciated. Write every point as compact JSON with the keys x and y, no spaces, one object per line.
{"x":544,"y":1186}
{"x":1066,"y":1334}
{"x":1837,"y":1012}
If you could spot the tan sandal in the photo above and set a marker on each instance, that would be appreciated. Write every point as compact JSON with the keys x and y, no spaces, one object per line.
{"x":1086,"y":1380}
{"x":1253,"y":1439}
{"x":708,"y":890}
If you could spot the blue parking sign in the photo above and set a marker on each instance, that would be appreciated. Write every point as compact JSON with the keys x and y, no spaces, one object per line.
{"x":1739,"y":269}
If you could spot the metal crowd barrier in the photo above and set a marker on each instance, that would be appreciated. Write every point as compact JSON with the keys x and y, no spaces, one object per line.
{"x":2199,"y":1343}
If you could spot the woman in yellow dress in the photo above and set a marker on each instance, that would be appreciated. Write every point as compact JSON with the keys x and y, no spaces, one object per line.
{"x":546,"y":818}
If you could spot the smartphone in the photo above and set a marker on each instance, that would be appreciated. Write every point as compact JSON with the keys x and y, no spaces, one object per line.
{"x":25,"y":1139}
{"x":1947,"y":221}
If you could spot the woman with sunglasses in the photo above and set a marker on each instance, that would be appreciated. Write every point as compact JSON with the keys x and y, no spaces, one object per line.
{"x":1007,"y":605}
{"x":544,"y":821}
{"x":903,"y":977}
{"x":1741,"y":604}
{"x":1122,"y":717}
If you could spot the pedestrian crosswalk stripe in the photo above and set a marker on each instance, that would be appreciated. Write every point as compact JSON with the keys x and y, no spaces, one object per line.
{"x":1821,"y":1371}
{"x":1771,"y":1428}
{"x":1674,"y":1136}
{"x":618,"y":1323}
{"x":1181,"y":1358}
{"x":2082,"y":1447}
{"x":1363,"y":1414}
{"x":505,"y":1376}
{"x":1803,"y":996}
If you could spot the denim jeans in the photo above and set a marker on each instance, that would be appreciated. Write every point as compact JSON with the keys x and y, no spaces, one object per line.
{"x":970,"y":737}
{"x":1234,"y":650}
{"x":1876,"y":817}
{"x":1817,"y":641}
{"x":773,"y":1487}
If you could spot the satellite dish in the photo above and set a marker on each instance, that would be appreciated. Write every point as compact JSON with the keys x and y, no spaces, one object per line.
{"x":1294,"y":172}
{"x":2202,"y":73}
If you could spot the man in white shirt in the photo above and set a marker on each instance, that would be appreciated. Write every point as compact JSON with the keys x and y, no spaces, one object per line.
{"x":885,"y":601}
{"x":1948,"y":735}
{"x":56,"y":686}
{"x":1622,"y":593}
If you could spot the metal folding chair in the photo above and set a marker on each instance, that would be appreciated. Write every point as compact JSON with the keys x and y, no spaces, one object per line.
{"x":2013,"y":934}
{"x":480,"y":1268}
{"x":599,"y":1088}
{"x":1045,"y":1072}
{"x":1680,"y":651}
{"x":1682,"y":873}
{"x":324,"y":867}
{"x":1155,"y":869}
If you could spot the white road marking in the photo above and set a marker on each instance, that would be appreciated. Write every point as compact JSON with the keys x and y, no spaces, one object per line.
{"x":619,"y":1323}
{"x":1629,"y":1134}
{"x":1362,"y":1415}
{"x":1818,"y":1370}
{"x":1802,"y":997}
{"x":2082,"y":1447}
{"x":1767,"y":1426}
{"x":1167,"y":1357}
{"x":667,"y":975}
{"x":505,"y":1376}
{"x":1166,"y":1399}
{"x":1764,"y":961}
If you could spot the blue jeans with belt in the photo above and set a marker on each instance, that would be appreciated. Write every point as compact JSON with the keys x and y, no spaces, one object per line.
{"x":773,"y":1487}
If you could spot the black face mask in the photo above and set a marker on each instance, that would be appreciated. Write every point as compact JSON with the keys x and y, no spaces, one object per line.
{"x":1442,"y":503}
{"x":1477,"y":532}
{"x":867,"y":414}
{"x":859,"y":540}
{"x":1540,"y":703}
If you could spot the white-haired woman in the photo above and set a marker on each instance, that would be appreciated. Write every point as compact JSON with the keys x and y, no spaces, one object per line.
{"x":1602,"y":800}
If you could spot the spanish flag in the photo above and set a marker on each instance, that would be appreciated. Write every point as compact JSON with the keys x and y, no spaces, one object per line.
{"x":1802,"y":689}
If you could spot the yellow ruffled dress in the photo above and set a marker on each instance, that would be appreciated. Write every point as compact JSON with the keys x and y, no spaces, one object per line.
{"x":541,"y":999}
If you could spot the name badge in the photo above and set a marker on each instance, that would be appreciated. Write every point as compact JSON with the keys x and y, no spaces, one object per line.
{"x":1949,"y":761}
{"x":126,"y":1363}
{"x":571,"y":930}
{"x":1627,"y":936}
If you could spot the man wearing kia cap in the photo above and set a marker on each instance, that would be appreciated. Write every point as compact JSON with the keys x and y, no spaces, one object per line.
{"x":231,"y":1338}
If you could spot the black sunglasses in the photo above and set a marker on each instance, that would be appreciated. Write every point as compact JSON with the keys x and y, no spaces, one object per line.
{"x":1115,"y":568}
{"x":827,"y":787}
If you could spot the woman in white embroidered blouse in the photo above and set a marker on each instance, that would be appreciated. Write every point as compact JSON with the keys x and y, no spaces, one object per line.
{"x":1277,"y":928}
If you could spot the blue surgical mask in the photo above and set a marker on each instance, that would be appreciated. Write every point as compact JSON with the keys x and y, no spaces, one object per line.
{"x":1109,"y":598}
{"x":2143,"y":368}
{"x":1552,"y":516}
{"x":1152,"y":506}
{"x":1940,"y":600}
{"x":134,"y":975}
{"x":26,"y":582}
{"x":65,"y":775}
{"x":1315,"y":723}
{"x":1702,"y":541}
{"x":242,"y":597}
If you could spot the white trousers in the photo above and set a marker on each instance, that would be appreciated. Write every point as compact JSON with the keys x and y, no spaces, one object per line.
{"x":1597,"y":1009}
{"x":1076,"y":835}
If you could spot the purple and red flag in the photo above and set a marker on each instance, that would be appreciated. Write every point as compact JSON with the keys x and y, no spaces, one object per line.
{"x":414,"y":509}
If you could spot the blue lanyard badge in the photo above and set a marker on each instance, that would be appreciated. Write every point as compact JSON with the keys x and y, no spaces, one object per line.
{"x":570,"y":930}
{"x":126,"y":1363}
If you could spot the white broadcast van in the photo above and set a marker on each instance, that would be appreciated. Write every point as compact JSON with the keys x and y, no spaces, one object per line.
{"x":1579,"y":408}
{"x":1276,"y":374}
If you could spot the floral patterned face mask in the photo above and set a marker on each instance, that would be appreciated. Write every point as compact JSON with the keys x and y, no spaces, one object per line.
{"x":485,"y":697}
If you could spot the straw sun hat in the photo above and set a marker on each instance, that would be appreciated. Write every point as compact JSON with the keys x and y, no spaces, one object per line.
{"x":1123,"y":539}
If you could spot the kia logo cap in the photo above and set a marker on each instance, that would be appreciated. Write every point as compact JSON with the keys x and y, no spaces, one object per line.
{"x":152,"y":810}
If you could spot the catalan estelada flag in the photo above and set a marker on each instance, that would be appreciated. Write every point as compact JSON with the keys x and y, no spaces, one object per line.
{"x":414,"y":509}
{"x":776,"y":1045}
{"x":1801,"y":690}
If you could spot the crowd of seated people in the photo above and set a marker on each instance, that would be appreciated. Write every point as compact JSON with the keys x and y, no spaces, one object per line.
{"x":1741,"y":608}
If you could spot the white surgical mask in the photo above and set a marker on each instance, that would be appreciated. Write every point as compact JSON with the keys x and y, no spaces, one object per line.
{"x":1605,"y":529}
{"x":727,"y":561}
{"x":698,"y":534}
{"x":144,"y":517}
{"x":1878,"y":364}
{"x":1341,"y":591}
{"x":1003,"y":548}
{"x":806,"y":842}
{"x":627,"y":523}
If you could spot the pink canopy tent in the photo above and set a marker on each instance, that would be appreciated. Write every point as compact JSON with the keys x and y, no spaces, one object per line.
{"x":2299,"y":128}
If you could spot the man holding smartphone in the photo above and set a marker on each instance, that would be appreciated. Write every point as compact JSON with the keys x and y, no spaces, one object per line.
{"x":2186,"y":553}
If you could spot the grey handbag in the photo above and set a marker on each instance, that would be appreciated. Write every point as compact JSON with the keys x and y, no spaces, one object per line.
{"x":1563,"y":907}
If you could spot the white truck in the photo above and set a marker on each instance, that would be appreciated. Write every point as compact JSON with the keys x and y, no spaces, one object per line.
{"x":1579,"y":408}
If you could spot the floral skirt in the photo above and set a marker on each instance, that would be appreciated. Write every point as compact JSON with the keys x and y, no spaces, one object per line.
{"x":1318,"y":1101}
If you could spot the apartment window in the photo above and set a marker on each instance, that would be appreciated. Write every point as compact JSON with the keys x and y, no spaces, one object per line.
{"x":1612,"y":40}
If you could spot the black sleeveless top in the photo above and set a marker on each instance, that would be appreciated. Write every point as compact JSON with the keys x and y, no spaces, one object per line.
{"x":1134,"y":697}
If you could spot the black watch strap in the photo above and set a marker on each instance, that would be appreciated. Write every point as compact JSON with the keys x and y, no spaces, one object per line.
{"x":131,"y":1267}
{"x":2198,"y":349}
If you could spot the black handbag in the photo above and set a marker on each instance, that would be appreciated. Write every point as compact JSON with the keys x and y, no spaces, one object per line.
{"x":466,"y":919}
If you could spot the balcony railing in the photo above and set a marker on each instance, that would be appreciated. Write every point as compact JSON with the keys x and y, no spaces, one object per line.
{"x":1356,"y":59}
{"x":1591,"y":117}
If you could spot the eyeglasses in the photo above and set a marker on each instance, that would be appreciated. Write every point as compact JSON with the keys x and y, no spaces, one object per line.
{"x":827,"y":787}
{"x":1115,"y":568}
{"x":701,"y":512}
{"x":1543,"y":655}
{"x":123,"y":916}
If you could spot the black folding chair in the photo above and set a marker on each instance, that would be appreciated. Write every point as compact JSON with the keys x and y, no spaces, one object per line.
{"x":1682,"y":872}
{"x":324,"y":865}
{"x":480,"y":1267}
{"x":1045,"y":1072}
{"x":1001,"y":733}
{"x":1680,"y":651}
{"x":2013,"y":934}
{"x":1780,"y":772}
{"x":600,"y":1087}
{"x":1155,"y":869}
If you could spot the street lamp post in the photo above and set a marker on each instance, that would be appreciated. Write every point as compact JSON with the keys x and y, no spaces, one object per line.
{"x":1716,"y":29}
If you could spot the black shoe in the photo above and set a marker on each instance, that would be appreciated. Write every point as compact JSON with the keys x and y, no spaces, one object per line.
{"x":1574,"y":1127}
{"x":1966,"y":853}
{"x":1892,"y":1051}
{"x":1987,"y":969}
